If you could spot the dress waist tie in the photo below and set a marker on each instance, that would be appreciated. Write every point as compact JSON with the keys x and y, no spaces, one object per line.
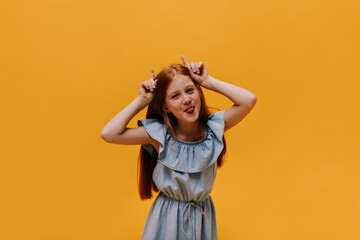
{"x":191,"y":205}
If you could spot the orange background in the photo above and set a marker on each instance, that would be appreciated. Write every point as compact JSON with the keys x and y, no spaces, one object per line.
{"x":68,"y":67}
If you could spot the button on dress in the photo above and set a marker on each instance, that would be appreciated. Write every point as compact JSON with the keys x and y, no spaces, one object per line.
{"x":184,"y":174}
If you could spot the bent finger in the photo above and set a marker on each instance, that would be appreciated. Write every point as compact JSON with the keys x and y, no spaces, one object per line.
{"x":201,"y":65}
{"x":153,"y":84}
{"x":197,"y":68}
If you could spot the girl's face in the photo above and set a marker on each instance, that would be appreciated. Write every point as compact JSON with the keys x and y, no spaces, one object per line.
{"x":182,"y":99}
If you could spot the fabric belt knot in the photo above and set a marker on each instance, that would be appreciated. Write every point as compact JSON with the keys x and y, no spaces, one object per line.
{"x":191,"y":205}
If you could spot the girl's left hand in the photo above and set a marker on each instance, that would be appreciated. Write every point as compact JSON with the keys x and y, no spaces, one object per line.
{"x":198,"y":71}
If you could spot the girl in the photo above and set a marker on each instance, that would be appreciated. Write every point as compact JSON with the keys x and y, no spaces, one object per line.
{"x":183,"y":144}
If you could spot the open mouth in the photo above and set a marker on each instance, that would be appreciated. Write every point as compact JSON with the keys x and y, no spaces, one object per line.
{"x":190,"y":109}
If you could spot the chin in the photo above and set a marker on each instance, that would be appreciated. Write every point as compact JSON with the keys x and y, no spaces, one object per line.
{"x":192,"y":118}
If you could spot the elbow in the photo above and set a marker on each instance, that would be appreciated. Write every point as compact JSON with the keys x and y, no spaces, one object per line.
{"x":252,"y":101}
{"x":105,"y":137}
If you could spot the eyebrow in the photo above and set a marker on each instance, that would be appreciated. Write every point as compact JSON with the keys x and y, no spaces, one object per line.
{"x":189,"y":85}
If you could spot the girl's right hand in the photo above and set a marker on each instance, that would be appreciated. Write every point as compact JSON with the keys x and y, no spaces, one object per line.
{"x":147,"y":88}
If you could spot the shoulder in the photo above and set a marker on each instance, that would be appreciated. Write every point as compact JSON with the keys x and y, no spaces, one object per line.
{"x":217,"y":116}
{"x":216,"y":122}
{"x":156,"y":129}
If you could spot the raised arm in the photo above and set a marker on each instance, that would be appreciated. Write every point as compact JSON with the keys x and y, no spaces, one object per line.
{"x":243,"y":99}
{"x":116,"y":131}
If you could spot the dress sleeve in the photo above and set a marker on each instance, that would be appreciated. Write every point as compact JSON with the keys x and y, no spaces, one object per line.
{"x":216,"y":122}
{"x":157,"y":131}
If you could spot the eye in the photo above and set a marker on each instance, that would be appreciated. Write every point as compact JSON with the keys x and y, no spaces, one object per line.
{"x":174,"y":96}
{"x":190,"y":90}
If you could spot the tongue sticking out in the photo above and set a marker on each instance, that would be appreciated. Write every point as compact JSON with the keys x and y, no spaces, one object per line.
{"x":190,"y":110}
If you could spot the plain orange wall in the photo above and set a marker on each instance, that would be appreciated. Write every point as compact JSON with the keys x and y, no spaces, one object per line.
{"x":68,"y":67}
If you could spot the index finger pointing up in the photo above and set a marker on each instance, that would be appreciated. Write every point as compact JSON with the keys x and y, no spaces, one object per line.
{"x":184,"y":61}
{"x":152,"y":73}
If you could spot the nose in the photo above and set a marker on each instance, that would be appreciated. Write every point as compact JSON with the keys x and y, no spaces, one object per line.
{"x":186,"y":99}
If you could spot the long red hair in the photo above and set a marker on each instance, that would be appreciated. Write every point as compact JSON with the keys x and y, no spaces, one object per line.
{"x":147,"y":162}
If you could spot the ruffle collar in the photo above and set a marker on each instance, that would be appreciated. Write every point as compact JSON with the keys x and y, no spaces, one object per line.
{"x":183,"y":156}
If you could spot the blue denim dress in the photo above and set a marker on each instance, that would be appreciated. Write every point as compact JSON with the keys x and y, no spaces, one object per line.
{"x":184,"y":174}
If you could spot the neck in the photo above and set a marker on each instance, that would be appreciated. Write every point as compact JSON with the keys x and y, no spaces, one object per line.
{"x":189,"y":131}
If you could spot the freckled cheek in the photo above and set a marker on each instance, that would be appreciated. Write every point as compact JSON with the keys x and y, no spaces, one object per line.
{"x":178,"y":105}
{"x":198,"y":100}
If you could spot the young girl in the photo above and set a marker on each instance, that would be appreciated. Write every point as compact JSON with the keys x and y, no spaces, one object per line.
{"x":182,"y":146}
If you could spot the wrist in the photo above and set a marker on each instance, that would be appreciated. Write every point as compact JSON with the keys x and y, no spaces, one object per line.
{"x":142,"y":101}
{"x":207,"y":82}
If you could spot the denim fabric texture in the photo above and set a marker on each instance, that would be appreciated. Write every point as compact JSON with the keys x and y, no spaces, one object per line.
{"x":184,"y":174}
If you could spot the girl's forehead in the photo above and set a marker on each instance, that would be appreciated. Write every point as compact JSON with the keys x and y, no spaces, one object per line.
{"x":179,"y":82}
